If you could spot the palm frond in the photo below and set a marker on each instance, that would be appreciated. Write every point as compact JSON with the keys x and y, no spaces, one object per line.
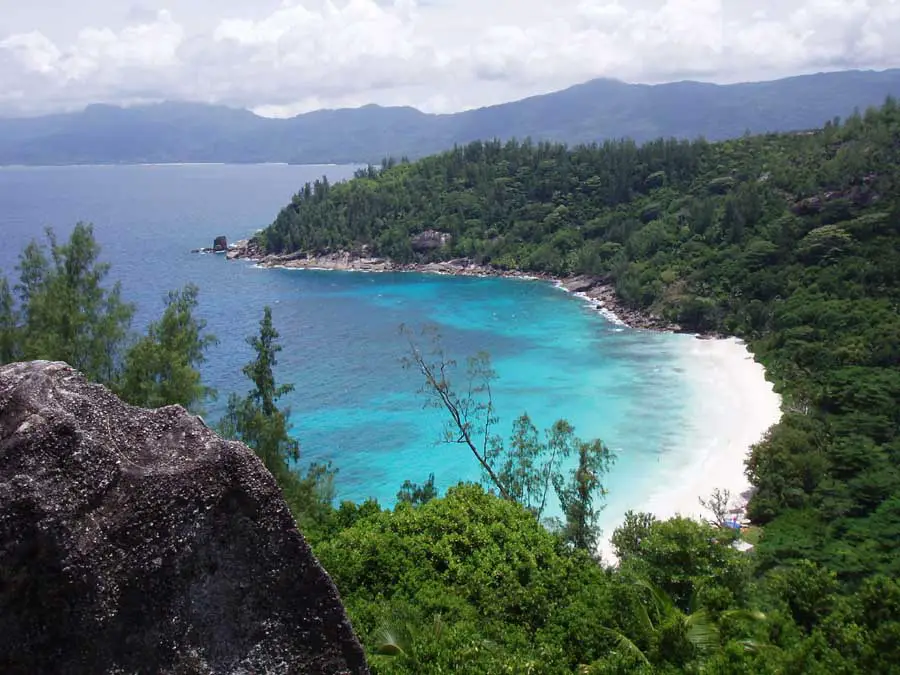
{"x":753,"y":646}
{"x":702,"y":631}
{"x":438,"y":626}
{"x":744,"y":615}
{"x":389,"y":642}
{"x":625,"y":645}
{"x":661,"y":601}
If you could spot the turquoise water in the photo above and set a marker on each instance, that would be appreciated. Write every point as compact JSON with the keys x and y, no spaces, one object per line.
{"x":354,"y":403}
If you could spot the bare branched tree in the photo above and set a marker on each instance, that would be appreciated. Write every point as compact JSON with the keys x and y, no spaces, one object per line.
{"x":718,"y":504}
{"x":472,"y":417}
{"x":527,"y":468}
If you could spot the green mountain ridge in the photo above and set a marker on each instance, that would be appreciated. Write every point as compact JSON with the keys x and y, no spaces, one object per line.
{"x":589,"y":112}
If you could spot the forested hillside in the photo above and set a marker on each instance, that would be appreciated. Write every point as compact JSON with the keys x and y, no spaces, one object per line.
{"x":790,"y":241}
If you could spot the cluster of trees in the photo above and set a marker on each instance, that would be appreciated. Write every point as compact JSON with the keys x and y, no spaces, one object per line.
{"x":472,"y":583}
{"x":62,"y":309}
{"x":791,"y":241}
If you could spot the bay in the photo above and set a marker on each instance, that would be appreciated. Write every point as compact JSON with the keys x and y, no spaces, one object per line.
{"x":354,"y":403}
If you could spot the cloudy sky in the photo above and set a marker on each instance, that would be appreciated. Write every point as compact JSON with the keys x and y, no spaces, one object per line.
{"x":281,"y":57}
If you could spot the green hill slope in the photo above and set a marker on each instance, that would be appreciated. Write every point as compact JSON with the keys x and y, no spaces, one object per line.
{"x":790,"y":241}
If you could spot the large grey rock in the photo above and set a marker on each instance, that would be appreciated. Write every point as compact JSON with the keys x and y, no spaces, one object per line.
{"x":138,"y":541}
{"x":429,"y":240}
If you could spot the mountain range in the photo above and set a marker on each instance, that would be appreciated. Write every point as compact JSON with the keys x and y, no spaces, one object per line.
{"x":593,"y":111}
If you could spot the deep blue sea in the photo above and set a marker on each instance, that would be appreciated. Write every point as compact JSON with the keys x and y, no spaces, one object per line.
{"x":354,"y":403}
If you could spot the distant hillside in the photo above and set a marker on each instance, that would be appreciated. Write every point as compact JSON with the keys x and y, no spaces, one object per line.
{"x":593,"y":111}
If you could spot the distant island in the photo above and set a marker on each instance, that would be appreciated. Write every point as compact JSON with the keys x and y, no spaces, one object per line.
{"x":602,"y":109}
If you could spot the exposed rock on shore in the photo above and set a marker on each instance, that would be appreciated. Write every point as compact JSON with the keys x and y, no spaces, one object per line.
{"x":429,"y":240}
{"x":138,"y":541}
{"x":596,"y":290}
{"x":602,"y":296}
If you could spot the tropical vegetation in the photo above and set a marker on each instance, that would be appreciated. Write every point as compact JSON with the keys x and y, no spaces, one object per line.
{"x":790,"y":241}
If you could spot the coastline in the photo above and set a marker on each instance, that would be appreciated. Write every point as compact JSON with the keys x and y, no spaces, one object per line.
{"x":730,"y":407}
{"x":730,"y":404}
{"x":594,"y":290}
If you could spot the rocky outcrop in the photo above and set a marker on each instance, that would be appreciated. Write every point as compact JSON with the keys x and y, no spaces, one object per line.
{"x":429,"y":240}
{"x":596,"y":290}
{"x":138,"y":541}
{"x":602,"y":296}
{"x":859,"y":194}
{"x":220,"y":244}
{"x":244,"y":248}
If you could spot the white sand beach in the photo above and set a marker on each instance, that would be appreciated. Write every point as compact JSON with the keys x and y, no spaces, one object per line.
{"x":731,"y":407}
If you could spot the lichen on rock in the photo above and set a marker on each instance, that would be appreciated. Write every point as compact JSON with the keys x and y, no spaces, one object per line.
{"x":138,"y":541}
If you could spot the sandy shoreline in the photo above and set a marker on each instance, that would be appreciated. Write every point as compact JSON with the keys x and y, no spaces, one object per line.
{"x":731,"y":406}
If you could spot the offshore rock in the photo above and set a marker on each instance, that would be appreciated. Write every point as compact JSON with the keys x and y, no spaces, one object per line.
{"x":138,"y":541}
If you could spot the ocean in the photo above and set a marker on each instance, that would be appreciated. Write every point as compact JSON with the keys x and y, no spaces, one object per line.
{"x":354,"y":403}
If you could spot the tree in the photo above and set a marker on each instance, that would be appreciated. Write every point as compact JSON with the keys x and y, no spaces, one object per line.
{"x":678,"y":637}
{"x":257,"y":421}
{"x":415,"y":494}
{"x":718,"y":503}
{"x":527,"y":468}
{"x":507,"y":593}
{"x":162,"y":367}
{"x":8,"y":324}
{"x":628,"y":537}
{"x":471,"y":418}
{"x":808,"y":590}
{"x":33,"y":269}
{"x":680,"y":556}
{"x":578,"y":498}
{"x":67,"y":312}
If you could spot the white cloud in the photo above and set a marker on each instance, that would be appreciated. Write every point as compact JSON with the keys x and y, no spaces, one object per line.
{"x":439,"y":55}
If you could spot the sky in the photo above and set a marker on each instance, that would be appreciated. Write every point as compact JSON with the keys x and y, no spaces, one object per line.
{"x":283,"y":57}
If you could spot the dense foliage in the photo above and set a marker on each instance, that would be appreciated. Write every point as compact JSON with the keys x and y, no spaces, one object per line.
{"x":61,"y":309}
{"x":161,"y":367}
{"x":790,"y":241}
{"x":473,"y":583}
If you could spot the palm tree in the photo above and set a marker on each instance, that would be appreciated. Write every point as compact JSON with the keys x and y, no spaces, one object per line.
{"x":399,"y":637}
{"x":658,"y":613}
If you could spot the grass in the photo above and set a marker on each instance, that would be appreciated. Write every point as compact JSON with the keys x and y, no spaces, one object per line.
{"x":752,"y":535}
